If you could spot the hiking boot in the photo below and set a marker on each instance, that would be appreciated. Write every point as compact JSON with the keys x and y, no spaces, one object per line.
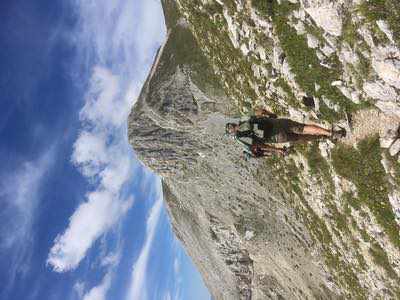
{"x":338,"y":134}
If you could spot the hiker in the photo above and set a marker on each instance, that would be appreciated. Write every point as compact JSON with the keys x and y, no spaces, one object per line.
{"x":263,"y":128}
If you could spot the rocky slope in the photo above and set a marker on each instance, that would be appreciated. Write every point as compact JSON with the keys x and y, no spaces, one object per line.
{"x":321,"y":223}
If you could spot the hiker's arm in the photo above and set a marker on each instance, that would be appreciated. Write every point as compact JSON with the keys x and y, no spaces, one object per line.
{"x":259,"y":112}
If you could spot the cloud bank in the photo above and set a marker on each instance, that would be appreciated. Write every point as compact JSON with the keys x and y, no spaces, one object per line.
{"x":20,"y":198}
{"x":117,"y":53}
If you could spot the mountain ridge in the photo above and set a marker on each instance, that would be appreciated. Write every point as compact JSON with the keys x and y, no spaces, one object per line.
{"x":303,"y":226}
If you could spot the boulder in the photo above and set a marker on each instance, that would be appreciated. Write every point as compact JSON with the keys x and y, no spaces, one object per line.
{"x":327,"y":17}
{"x":395,"y":148}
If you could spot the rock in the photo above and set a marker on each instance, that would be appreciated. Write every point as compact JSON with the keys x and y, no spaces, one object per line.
{"x":317,"y":87}
{"x":386,"y":62}
{"x":299,"y":26}
{"x":296,"y":115}
{"x":327,"y":50}
{"x":386,"y":142}
{"x":320,"y":55}
{"x":299,"y":14}
{"x":261,"y":53}
{"x":345,"y":91}
{"x":248,"y":235}
{"x":232,"y":30}
{"x":395,"y":148}
{"x":286,"y":72}
{"x":336,"y":83}
{"x":355,"y":97}
{"x":386,"y":165}
{"x":394,"y":199}
{"x":327,"y":17}
{"x":312,"y":41}
{"x":384,"y":27}
{"x":347,"y":55}
{"x":389,"y":108}
{"x":244,"y":49}
{"x":380,"y":91}
{"x":256,"y":70}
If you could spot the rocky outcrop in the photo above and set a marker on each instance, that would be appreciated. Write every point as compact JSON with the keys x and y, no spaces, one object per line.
{"x":299,"y":227}
{"x":226,"y":211}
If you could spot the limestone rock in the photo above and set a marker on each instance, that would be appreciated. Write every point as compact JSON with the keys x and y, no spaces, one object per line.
{"x":395,"y":148}
{"x":380,"y":91}
{"x":383,"y":25}
{"x":327,"y":50}
{"x":327,"y":17}
{"x":386,"y":62}
{"x":386,"y":142}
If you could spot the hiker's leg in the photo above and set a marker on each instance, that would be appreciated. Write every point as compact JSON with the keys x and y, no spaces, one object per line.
{"x":316,"y":130}
{"x":303,"y":138}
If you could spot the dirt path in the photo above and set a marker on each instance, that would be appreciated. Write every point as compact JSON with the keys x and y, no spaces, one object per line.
{"x":370,"y":122}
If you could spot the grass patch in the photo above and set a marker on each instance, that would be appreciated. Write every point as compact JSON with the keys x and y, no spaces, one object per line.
{"x":182,"y":49}
{"x":290,"y":98}
{"x":387,"y":10}
{"x":262,"y":6}
{"x":381,"y":259}
{"x":364,"y":169}
{"x":305,"y":63}
{"x":319,"y":166}
{"x":349,"y":32}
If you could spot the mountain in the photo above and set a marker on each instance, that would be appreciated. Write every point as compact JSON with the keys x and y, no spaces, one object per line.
{"x":321,"y":223}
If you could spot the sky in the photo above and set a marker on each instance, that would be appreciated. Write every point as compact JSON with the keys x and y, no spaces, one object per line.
{"x":80,"y":216}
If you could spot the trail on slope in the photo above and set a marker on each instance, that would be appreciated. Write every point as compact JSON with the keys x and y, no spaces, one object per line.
{"x":370,"y":122}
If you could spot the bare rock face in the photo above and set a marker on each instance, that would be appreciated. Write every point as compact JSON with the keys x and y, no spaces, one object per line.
{"x":226,"y":211}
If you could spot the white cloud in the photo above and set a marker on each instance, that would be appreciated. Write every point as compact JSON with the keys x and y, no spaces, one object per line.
{"x":88,"y":222}
{"x":111,"y":260}
{"x":99,"y":292}
{"x":117,"y":40}
{"x":90,"y":153}
{"x":20,"y":196}
{"x":106,"y":103}
{"x":137,"y":288}
{"x":79,"y":288}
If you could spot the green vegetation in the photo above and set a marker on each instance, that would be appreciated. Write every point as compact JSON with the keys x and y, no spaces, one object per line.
{"x":214,"y":42}
{"x":387,"y":10}
{"x":183,"y":49}
{"x":263,"y":6}
{"x":305,"y":63}
{"x":289,"y":174}
{"x":381,"y":259}
{"x":395,"y":164}
{"x":364,"y":169}
{"x":319,"y":166}
{"x":352,"y":200}
{"x":290,"y":99}
{"x":349,"y":31}
{"x":361,"y":166}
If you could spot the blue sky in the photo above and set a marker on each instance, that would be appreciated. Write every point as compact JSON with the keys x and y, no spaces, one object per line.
{"x":80,"y":217}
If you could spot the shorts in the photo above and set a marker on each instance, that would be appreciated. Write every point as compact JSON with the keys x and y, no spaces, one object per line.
{"x":283,"y":130}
